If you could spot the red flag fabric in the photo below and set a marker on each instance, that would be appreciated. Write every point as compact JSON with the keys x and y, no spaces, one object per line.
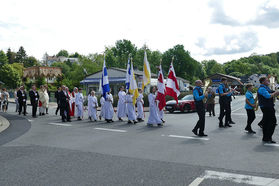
{"x":161,"y":90}
{"x":172,"y":88}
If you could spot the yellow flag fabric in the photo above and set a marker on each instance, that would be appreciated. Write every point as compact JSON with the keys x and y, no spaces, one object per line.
{"x":146,"y":72}
{"x":133,"y":89}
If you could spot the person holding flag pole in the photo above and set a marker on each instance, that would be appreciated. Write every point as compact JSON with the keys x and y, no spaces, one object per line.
{"x":131,"y":96}
{"x":108,"y":108}
{"x":161,"y":93}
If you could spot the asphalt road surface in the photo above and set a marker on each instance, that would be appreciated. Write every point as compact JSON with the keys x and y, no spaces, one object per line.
{"x":45,"y":151}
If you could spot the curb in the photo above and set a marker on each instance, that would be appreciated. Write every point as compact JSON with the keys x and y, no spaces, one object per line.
{"x":4,"y":123}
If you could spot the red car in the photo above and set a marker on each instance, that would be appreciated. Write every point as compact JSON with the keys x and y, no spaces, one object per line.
{"x":186,"y":104}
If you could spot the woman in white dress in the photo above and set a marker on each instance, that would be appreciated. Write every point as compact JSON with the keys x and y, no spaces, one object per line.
{"x":121,"y":105}
{"x":108,"y":108}
{"x":102,"y":102}
{"x":42,"y":100}
{"x":130,"y":108}
{"x":140,"y":102}
{"x":79,"y":100}
{"x":92,"y":106}
{"x":153,"y":109}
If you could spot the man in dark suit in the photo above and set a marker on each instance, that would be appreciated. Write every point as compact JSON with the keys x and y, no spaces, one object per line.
{"x":22,"y":98}
{"x":34,"y":98}
{"x":58,"y":100}
{"x":64,"y":104}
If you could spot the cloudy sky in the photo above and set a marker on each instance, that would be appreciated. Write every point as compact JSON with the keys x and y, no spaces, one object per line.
{"x":209,"y":29}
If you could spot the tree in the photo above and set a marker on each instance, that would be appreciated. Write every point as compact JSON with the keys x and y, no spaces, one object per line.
{"x":3,"y":58}
{"x":9,"y":76}
{"x":63,"y":53}
{"x":11,"y":56}
{"x":212,"y":67}
{"x":19,"y":68}
{"x":20,"y":55}
{"x":75,"y":55}
{"x":30,"y":62}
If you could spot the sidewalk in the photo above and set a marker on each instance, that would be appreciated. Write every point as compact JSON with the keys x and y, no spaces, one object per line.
{"x":4,"y":123}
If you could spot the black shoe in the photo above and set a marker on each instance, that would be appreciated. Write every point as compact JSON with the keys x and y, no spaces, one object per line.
{"x":120,"y":119}
{"x":63,"y":120}
{"x":163,"y":121}
{"x":221,"y":126}
{"x":135,"y":121}
{"x":228,"y":125}
{"x":56,"y":112}
{"x":231,"y":122}
{"x":90,"y":118}
{"x":251,"y":131}
{"x":43,"y":114}
{"x":79,"y":119}
{"x":159,"y":125}
{"x":129,"y":121}
{"x":69,"y":120}
{"x":203,"y":135}
{"x":195,"y":132}
{"x":271,"y":141}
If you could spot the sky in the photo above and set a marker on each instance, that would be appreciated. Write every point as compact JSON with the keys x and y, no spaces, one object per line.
{"x":209,"y":29}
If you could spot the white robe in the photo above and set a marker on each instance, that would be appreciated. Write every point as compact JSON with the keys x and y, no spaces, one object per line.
{"x":130,"y":108}
{"x":121,"y":106}
{"x":108,"y":107}
{"x":153,"y":110}
{"x":79,"y":104}
{"x":92,"y":107}
{"x":140,"y":102}
{"x":102,"y":102}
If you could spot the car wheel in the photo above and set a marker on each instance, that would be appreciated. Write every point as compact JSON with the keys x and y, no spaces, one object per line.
{"x":171,"y":111}
{"x":187,"y":108}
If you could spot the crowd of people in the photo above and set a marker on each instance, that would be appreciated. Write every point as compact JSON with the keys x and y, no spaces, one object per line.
{"x":71,"y":104}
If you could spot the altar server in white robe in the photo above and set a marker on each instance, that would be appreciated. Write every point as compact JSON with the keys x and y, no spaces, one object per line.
{"x":108,"y":108}
{"x":140,"y":102}
{"x":92,"y":106}
{"x":121,"y":106}
{"x":131,"y":111}
{"x":102,"y":113}
{"x":153,"y":109}
{"x":79,"y":104}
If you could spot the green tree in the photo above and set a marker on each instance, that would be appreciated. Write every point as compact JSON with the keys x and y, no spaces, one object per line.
{"x":75,"y":55}
{"x":11,"y":56}
{"x":3,"y":58}
{"x":19,"y":68}
{"x":20,"y":55}
{"x":30,"y":62}
{"x":9,"y":76}
{"x":63,"y":53}
{"x":212,"y":67}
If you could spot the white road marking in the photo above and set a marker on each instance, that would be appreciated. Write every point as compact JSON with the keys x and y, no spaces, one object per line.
{"x":188,"y":137}
{"x":112,"y":130}
{"x":271,"y":144}
{"x":237,"y":109}
{"x":244,"y":114}
{"x":240,"y":178}
{"x":61,"y":124}
{"x":30,"y":120}
{"x":197,"y":181}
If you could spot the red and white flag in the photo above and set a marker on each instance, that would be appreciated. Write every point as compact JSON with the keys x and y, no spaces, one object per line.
{"x":161,"y":89}
{"x":172,"y":88}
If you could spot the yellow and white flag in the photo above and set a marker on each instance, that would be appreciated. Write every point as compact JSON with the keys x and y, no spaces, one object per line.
{"x":146,"y":72}
{"x":133,"y":89}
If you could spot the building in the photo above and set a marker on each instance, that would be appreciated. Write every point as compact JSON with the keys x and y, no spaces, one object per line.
{"x":233,"y":82}
{"x":254,"y":79}
{"x":50,"y":73}
{"x":117,"y":78}
{"x":51,"y":59}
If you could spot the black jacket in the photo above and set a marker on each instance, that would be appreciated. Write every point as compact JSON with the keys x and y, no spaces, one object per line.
{"x":57,"y":96}
{"x":34,"y":97}
{"x":64,"y":99}
{"x":22,"y":96}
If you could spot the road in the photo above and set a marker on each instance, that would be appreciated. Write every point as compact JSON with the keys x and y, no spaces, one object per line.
{"x":44,"y":151}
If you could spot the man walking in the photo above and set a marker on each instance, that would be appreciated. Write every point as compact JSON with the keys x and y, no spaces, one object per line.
{"x":22,"y":98}
{"x":265,"y":97}
{"x":64,"y":104}
{"x":34,"y":98}
{"x":198,"y":97}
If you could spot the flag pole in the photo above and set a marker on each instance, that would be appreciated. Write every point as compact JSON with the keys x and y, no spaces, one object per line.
{"x":172,"y":59}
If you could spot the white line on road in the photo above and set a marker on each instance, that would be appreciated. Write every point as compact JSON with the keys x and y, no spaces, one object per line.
{"x":30,"y":120}
{"x":237,"y":109}
{"x":238,"y":178}
{"x":188,"y":137}
{"x":197,"y":181}
{"x":60,"y":124}
{"x":270,"y":144}
{"x":112,"y":130}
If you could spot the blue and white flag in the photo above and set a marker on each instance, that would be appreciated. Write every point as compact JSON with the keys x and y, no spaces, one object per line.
{"x":105,"y":80}
{"x":128,"y":74}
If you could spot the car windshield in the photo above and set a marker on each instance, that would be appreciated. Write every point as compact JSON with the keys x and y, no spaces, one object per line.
{"x":188,"y":97}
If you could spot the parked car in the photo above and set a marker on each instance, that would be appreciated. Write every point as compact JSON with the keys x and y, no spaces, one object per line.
{"x":186,"y":104}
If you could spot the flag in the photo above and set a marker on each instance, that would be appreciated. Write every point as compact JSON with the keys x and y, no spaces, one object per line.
{"x":161,"y":89}
{"x":133,"y":89}
{"x":146,"y":72}
{"x":105,"y":81}
{"x":172,"y":88}
{"x":128,"y":74}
